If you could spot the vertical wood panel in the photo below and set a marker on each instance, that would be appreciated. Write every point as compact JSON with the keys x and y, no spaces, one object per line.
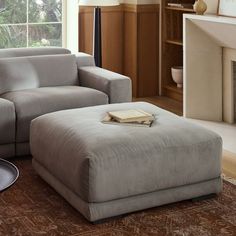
{"x":130,"y":41}
{"x":112,"y":40}
{"x":130,"y":49}
{"x":86,"y":31}
{"x":148,"y":54}
{"x":112,"y":36}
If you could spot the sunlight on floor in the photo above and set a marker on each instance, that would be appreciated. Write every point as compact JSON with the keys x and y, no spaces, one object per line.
{"x":226,"y":131}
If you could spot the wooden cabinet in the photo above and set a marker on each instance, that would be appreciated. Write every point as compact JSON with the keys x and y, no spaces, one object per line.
{"x":130,"y":43}
{"x":172,"y":45}
{"x":141,"y":54}
{"x":112,"y":35}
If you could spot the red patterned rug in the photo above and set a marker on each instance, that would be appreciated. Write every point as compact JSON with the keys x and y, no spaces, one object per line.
{"x":32,"y":208}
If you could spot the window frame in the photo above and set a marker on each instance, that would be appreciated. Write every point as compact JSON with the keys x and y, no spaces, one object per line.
{"x":69,"y":21}
{"x":28,"y":24}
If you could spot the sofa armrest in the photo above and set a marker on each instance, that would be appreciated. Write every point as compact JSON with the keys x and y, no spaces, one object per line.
{"x":7,"y":122}
{"x":116,"y":86}
{"x":84,"y":59}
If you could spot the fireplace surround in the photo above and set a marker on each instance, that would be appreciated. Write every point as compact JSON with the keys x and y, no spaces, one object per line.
{"x":209,"y":67}
{"x":234,"y":78}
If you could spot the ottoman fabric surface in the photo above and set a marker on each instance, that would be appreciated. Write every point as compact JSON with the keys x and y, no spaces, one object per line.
{"x":101,"y":162}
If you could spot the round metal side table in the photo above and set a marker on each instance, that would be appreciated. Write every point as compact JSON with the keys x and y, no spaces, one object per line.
{"x":9,"y":173}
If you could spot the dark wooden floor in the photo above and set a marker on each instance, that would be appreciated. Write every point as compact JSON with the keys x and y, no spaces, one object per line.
{"x":164,"y":103}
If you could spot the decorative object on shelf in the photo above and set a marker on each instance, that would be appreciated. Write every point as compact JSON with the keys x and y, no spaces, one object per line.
{"x":227,"y":8}
{"x":200,"y":7}
{"x":8,"y":174}
{"x":97,"y":41}
{"x":181,"y":5}
{"x":177,"y":75}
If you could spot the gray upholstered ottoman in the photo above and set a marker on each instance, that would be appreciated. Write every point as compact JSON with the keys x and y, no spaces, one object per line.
{"x":107,"y":170}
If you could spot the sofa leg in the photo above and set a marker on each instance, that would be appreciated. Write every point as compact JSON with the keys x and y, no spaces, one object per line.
{"x":206,"y":197}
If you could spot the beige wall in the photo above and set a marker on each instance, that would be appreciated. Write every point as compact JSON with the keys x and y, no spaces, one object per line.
{"x":211,"y":6}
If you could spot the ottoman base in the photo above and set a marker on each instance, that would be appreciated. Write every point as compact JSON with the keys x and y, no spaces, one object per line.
{"x":97,"y":211}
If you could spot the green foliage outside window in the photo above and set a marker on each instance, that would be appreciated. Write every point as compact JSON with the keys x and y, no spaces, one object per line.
{"x":41,"y":26}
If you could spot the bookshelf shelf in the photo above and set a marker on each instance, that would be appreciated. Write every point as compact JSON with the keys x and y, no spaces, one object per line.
{"x":175,"y":41}
{"x":184,"y":9}
{"x":173,"y":88}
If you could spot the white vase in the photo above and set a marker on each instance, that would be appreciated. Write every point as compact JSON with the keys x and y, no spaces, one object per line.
{"x":177,"y":75}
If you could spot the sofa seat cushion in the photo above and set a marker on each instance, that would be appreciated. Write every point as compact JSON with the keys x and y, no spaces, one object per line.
{"x":101,"y":162}
{"x":32,"y":103}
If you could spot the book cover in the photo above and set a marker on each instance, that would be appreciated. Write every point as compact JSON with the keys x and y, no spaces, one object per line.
{"x":110,"y":120}
{"x":131,"y":116}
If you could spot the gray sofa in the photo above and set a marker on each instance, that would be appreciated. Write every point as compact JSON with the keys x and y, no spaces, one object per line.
{"x":37,"y":81}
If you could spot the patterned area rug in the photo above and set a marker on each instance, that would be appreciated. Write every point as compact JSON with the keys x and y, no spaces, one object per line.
{"x":32,"y":208}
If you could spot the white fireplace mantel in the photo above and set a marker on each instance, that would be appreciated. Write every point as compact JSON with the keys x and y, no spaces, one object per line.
{"x":209,"y":50}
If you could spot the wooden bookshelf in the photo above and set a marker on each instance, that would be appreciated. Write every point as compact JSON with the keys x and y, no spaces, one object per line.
{"x":172,"y":45}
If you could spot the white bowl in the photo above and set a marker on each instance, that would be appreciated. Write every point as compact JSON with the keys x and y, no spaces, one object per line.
{"x":177,"y":75}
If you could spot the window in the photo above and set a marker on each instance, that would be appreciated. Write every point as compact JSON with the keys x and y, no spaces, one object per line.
{"x":30,"y":23}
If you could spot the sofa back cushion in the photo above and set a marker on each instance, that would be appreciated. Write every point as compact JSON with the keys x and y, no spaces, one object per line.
{"x":27,"y":52}
{"x":38,"y":71}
